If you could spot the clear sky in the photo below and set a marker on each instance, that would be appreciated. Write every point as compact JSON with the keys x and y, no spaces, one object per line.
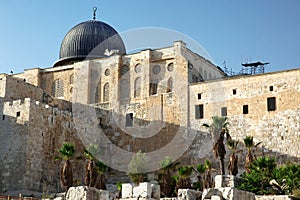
{"x":234,"y":31}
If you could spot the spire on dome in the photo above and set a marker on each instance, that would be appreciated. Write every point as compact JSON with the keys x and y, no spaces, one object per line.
{"x":94,"y":9}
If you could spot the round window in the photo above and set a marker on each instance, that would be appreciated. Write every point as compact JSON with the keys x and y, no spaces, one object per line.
{"x":156,"y":69}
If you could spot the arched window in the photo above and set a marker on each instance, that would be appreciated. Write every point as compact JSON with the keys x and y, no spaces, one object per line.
{"x":170,"y":85}
{"x":153,"y":87}
{"x":72,"y":79}
{"x":106,"y":92}
{"x":137,"y":87}
{"x":124,"y":89}
{"x":98,"y":93}
{"x":58,"y":88}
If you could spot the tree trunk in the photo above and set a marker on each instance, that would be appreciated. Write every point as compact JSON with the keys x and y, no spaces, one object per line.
{"x":101,"y":182}
{"x":66,"y":175}
{"x":222,"y":166}
{"x":233,"y":165}
{"x":91,"y":175}
{"x":249,"y":160}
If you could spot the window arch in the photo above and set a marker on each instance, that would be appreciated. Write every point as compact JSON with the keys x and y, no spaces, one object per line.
{"x":153,"y":87}
{"x":57,"y":88}
{"x":98,"y":93}
{"x":106,"y":92}
{"x":170,"y":85}
{"x":72,"y":79}
{"x":137,"y":87}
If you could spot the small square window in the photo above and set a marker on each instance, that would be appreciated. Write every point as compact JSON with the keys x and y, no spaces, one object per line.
{"x":271,"y":102}
{"x":224,"y":111}
{"x":234,"y":91}
{"x":129,"y":120}
{"x":199,"y":112}
{"x":245,"y":109}
{"x":271,"y":88}
{"x":18,"y":114}
{"x":199,"y":95}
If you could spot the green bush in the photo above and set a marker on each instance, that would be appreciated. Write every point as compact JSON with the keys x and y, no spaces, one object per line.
{"x":263,"y":170}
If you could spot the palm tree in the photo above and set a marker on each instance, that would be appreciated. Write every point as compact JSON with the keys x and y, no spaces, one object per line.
{"x":183,"y":177}
{"x":208,"y":181}
{"x":218,"y":130}
{"x":95,"y":169}
{"x":166,"y":182}
{"x":66,"y":152}
{"x":233,"y":160}
{"x":251,"y":146}
{"x":91,"y":174}
{"x":200,"y":169}
{"x":101,"y":170}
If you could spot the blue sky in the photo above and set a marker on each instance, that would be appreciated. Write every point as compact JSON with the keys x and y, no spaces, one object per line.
{"x":232,"y":30}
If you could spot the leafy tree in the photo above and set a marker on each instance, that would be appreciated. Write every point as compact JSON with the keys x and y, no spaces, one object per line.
{"x":219,"y":129}
{"x":259,"y":177}
{"x":251,"y":146}
{"x":137,"y":168}
{"x":288,"y":176}
{"x":233,"y":160}
{"x":66,"y":152}
{"x":167,"y":183}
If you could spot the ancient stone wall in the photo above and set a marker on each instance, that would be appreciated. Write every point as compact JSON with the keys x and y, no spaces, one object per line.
{"x":31,"y":134}
{"x":244,"y":99}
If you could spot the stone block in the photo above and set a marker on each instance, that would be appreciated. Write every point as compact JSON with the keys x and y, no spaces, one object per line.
{"x":188,"y":194}
{"x":216,"y":198}
{"x":86,"y":193}
{"x":227,"y":193}
{"x":142,"y":190}
{"x":155,"y":190}
{"x":226,"y":181}
{"x":127,"y":189}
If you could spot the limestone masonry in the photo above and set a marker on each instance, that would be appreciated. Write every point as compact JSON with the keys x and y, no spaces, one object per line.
{"x":152,"y":100}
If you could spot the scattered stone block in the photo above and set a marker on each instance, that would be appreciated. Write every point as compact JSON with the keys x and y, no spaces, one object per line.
{"x":86,"y":193}
{"x":142,"y":190}
{"x":189,"y":194}
{"x":127,"y":189}
{"x":226,"y":181}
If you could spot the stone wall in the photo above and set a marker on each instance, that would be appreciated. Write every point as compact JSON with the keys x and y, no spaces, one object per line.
{"x":275,"y":128}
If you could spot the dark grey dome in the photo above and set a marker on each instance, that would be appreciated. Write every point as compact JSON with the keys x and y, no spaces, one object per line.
{"x":90,"y":39}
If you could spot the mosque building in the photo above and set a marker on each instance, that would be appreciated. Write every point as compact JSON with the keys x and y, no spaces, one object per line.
{"x":154,"y":101}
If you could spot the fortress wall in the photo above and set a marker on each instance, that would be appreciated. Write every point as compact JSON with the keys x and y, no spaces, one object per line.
{"x":16,"y":88}
{"x":29,"y":143}
{"x":279,"y":130}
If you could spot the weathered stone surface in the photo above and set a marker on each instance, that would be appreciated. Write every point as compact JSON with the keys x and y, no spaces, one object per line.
{"x":86,"y":193}
{"x":142,"y":190}
{"x":227,"y":193}
{"x":188,"y":194}
{"x":127,"y":190}
{"x":226,"y":181}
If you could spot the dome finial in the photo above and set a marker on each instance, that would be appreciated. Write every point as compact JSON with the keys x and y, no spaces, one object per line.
{"x":94,"y":9}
